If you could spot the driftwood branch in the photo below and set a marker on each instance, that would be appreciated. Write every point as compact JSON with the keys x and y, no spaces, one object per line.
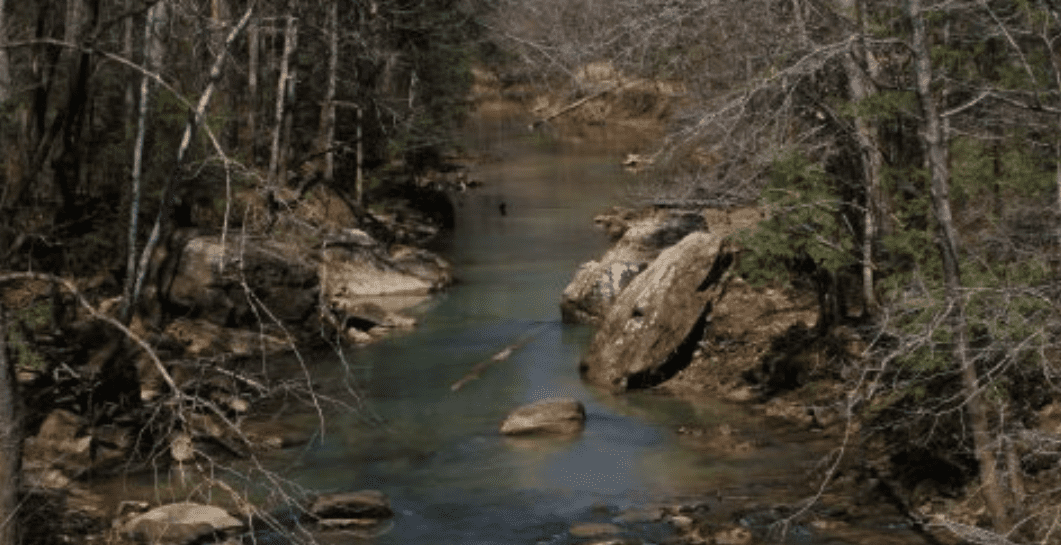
{"x":500,"y":356}
{"x":574,"y":105}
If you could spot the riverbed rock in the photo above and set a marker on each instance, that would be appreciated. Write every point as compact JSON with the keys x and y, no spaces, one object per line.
{"x":59,"y":451}
{"x":560,"y":416}
{"x":640,"y":239}
{"x":202,"y":338}
{"x":652,"y":329}
{"x":180,"y":524}
{"x":593,"y":529}
{"x":364,"y":505}
{"x":211,"y":281}
{"x":348,"y":275}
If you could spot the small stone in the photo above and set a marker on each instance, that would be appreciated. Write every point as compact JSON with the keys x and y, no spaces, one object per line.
{"x":681,"y":522}
{"x":180,"y":524}
{"x":365,"y":504}
{"x":734,"y":536}
{"x":553,"y":415}
{"x":593,"y":529}
{"x":181,"y":447}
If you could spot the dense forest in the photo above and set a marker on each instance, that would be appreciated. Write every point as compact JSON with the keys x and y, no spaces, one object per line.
{"x":129,"y":127}
{"x":907,"y":155}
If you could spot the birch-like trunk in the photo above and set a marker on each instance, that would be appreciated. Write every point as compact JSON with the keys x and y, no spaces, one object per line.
{"x":935,"y":144}
{"x":275,"y":154}
{"x":163,"y":218}
{"x":138,"y":161}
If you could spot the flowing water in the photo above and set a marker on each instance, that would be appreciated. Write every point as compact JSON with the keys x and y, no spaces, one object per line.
{"x":437,"y":454}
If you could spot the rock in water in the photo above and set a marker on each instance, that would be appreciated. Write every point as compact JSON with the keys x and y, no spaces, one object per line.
{"x":652,"y":328}
{"x":365,"y":504}
{"x":559,"y":415}
{"x":180,"y":524}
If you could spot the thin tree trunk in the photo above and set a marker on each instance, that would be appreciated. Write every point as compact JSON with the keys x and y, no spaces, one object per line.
{"x":127,"y":52}
{"x":5,"y":63}
{"x":162,"y":219}
{"x":138,"y":155}
{"x":359,"y":183}
{"x":327,"y":137}
{"x":281,"y":96}
{"x":10,"y":443}
{"x":935,"y":144}
{"x":251,"y":102}
{"x":861,"y":69}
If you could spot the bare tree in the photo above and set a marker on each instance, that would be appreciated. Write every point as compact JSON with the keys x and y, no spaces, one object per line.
{"x":284,"y":85}
{"x":935,"y":143}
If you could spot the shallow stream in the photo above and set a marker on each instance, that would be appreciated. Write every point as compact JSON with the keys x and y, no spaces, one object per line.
{"x":451,"y":478}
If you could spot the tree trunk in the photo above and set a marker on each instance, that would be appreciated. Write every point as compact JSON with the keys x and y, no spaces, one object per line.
{"x":935,"y":144}
{"x":251,"y":100}
{"x":162,"y":220}
{"x":327,"y":136}
{"x":10,"y":443}
{"x":275,"y":156}
{"x":861,"y":69}
{"x":137,"y":170}
{"x":5,"y":63}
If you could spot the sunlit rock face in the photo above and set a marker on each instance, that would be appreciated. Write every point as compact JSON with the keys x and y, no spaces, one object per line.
{"x":650,"y":331}
{"x":553,"y":416}
{"x":640,"y":239}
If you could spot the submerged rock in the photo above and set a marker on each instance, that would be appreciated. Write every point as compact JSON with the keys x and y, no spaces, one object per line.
{"x":361,"y":506}
{"x":180,"y":524}
{"x":549,"y":416}
{"x":652,"y":329}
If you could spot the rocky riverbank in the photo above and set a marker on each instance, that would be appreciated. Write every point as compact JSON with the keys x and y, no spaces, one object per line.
{"x":315,"y":273}
{"x":674,"y":316}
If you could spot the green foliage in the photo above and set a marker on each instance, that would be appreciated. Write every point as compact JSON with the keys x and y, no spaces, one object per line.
{"x":883,"y":105}
{"x":33,"y":317}
{"x":804,"y":222}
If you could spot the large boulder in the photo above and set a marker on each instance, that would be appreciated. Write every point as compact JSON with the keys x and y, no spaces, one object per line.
{"x":211,"y":280}
{"x":548,"y":416}
{"x":180,"y":524}
{"x":350,"y":275}
{"x":652,"y":328}
{"x":640,"y":239}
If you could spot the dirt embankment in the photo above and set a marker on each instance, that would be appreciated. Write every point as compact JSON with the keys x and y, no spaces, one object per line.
{"x":600,"y":107}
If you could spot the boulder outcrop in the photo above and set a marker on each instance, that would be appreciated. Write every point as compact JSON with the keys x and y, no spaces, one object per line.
{"x":652,"y":328}
{"x":639,"y":240}
{"x":548,"y":416}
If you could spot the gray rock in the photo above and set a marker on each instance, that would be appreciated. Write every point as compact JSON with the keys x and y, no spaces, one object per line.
{"x":548,"y":416}
{"x":659,"y":316}
{"x":362,"y":505}
{"x":208,"y":281}
{"x":180,"y":524}
{"x":598,"y":283}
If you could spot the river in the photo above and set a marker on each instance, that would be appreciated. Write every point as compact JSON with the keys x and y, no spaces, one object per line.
{"x":437,"y":454}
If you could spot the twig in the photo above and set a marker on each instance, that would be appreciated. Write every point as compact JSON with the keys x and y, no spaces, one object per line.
{"x":500,"y":356}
